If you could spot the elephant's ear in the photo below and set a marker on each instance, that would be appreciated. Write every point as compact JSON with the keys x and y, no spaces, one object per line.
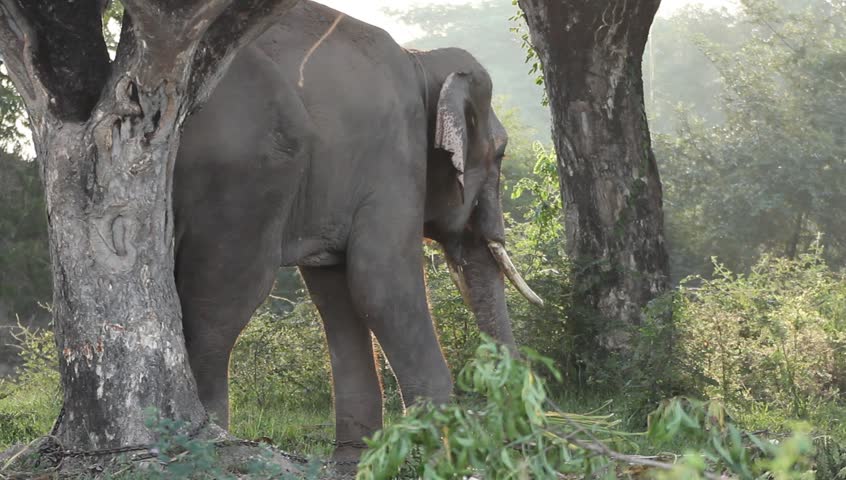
{"x":451,"y":125}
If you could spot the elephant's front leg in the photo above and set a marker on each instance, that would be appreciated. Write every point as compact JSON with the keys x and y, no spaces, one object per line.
{"x":356,"y":386}
{"x":388,"y":290}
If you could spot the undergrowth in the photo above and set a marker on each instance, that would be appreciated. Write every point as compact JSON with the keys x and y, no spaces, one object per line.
{"x":512,"y":430}
{"x":766,"y":346}
{"x":30,"y":401}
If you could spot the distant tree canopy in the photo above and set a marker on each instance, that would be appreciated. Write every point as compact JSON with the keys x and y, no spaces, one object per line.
{"x":771,"y":175}
{"x":677,"y":74}
{"x":24,"y":261}
{"x":746,"y":109}
{"x":11,"y":113}
{"x":484,"y":31}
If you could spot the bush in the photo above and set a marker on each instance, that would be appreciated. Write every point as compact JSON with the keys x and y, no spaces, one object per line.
{"x":30,"y":402}
{"x":280,"y":382}
{"x":281,"y":360}
{"x":772,"y":338}
{"x":502,"y":431}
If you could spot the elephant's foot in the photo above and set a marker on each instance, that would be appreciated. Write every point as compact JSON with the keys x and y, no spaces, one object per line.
{"x":345,"y":458}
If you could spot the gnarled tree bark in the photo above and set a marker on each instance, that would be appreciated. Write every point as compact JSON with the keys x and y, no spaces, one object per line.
{"x":106,"y":135}
{"x":591,"y":53}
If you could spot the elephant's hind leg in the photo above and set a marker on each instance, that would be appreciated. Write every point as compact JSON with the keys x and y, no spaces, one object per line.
{"x":356,"y":386}
{"x":219,"y":294}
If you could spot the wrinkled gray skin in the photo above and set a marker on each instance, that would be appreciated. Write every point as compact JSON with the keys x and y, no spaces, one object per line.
{"x":341,"y":177}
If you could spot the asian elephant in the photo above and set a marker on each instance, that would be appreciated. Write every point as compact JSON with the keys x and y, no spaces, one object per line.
{"x":329,"y":147}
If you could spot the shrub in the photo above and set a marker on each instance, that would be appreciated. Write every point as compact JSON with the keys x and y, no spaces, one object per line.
{"x":280,"y":363}
{"x":773,"y":337}
{"x":30,"y":401}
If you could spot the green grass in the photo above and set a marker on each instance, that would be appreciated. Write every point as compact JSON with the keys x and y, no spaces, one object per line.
{"x":300,"y":430}
{"x":305,"y":427}
{"x":26,"y":415}
{"x":308,"y":431}
{"x":30,"y":402}
{"x":828,"y":419}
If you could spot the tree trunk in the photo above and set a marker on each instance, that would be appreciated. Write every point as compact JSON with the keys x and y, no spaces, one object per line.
{"x":792,"y":249}
{"x":106,"y":134}
{"x":591,"y":53}
{"x":116,"y":312}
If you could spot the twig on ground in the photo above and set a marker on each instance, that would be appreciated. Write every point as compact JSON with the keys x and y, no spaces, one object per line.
{"x":14,"y":457}
{"x":598,"y":447}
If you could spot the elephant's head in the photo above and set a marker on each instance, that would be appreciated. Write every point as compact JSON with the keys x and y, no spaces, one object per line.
{"x":463,"y":209}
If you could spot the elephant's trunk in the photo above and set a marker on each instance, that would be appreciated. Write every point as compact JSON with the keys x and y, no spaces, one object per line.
{"x":489,"y":224}
{"x":485,"y":291}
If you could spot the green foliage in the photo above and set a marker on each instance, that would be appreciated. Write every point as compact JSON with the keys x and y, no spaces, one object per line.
{"x":30,"y":401}
{"x":722,"y":446}
{"x":505,"y":433}
{"x":180,"y":456}
{"x":770,"y":177}
{"x":504,"y":430}
{"x":11,"y":115}
{"x":25,"y":278}
{"x":544,"y":212}
{"x":520,"y":157}
{"x":521,"y":30}
{"x":536,"y":242}
{"x":773,"y":337}
{"x":280,"y":363}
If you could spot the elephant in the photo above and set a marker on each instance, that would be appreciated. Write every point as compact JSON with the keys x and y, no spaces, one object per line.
{"x":329,"y":147}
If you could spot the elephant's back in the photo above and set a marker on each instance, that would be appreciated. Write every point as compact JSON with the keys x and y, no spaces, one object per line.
{"x":346,"y":72}
{"x":311,"y":150}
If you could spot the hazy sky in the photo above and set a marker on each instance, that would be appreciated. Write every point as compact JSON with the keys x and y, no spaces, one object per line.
{"x":372,"y":11}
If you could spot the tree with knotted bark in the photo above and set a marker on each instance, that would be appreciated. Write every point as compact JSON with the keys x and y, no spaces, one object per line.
{"x":591,"y":52}
{"x":106,"y":134}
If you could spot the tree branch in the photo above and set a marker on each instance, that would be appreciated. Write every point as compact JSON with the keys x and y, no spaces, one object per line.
{"x":17,"y":43}
{"x":597,"y":446}
{"x":168,"y":21}
{"x":58,"y":54}
{"x":211,"y":31}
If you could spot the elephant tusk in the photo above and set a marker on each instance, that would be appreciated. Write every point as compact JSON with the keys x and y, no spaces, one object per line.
{"x":498,"y":251}
{"x":457,"y":275}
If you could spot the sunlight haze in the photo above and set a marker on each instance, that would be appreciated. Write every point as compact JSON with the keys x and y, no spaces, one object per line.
{"x":377,"y":12}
